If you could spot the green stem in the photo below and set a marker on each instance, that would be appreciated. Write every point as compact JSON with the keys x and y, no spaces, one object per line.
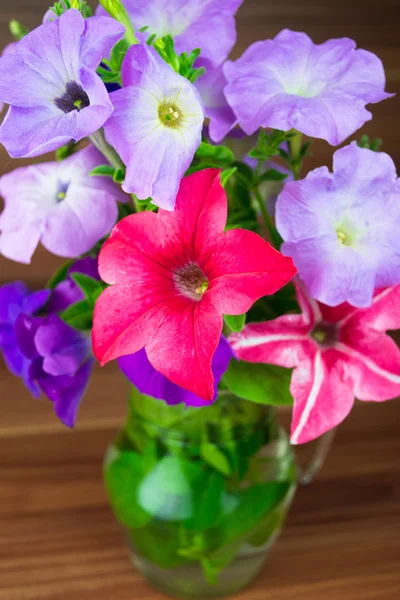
{"x":99,"y":141}
{"x":295,"y":144}
{"x":275,"y":237}
{"x":116,"y":9}
{"x":137,"y":204}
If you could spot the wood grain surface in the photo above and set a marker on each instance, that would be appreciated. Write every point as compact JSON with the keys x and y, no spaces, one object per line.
{"x":58,"y":539}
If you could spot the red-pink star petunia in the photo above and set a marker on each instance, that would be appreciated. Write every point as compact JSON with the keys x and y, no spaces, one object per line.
{"x":338,"y":354}
{"x":174,"y":275}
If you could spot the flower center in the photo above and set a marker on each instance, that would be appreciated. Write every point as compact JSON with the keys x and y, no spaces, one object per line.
{"x":75,"y":98}
{"x":346,"y":233}
{"x":62,"y":189}
{"x":169,"y":115}
{"x":191,"y":282}
{"x":325,"y":334}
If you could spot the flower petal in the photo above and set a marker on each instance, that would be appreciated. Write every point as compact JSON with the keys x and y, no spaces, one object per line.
{"x":205,"y":24}
{"x":200,"y":215}
{"x":323,"y":395}
{"x":283,"y":341}
{"x":125,"y":317}
{"x":10,"y":241}
{"x":382,"y":315}
{"x":190,"y":332}
{"x":79,"y":222}
{"x":27,"y":132}
{"x":243,"y":267}
{"x":101,"y":34}
{"x":67,"y":403}
{"x":137,"y":368}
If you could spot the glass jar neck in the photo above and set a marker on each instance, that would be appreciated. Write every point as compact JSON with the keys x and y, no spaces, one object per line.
{"x":228,"y":419}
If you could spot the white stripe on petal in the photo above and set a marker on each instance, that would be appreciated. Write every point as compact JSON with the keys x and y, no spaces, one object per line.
{"x":312,"y":398}
{"x":254,"y":341}
{"x":368,"y":362}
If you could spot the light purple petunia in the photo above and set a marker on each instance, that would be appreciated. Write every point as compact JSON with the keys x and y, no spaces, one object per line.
{"x":17,"y":299}
{"x":156,"y":126}
{"x":211,"y":87}
{"x":291,"y":83}
{"x":9,"y":49}
{"x":51,"y":84}
{"x":59,"y":204}
{"x":60,"y":362}
{"x":137,"y":368}
{"x":205,"y":24}
{"x":342,"y":228}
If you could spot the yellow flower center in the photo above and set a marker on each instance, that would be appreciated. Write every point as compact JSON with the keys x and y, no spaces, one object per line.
{"x":346,"y":233}
{"x":169,"y":115}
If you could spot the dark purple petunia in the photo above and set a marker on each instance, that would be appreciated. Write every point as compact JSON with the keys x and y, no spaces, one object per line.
{"x":17,"y":299}
{"x":137,"y":368}
{"x":48,"y":355}
{"x":60,"y":362}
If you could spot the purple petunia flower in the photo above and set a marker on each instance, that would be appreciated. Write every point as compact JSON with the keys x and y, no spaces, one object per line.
{"x":156,"y":126}
{"x":60,"y":362}
{"x":291,"y":83}
{"x":50,"y":81}
{"x":205,"y":24}
{"x":342,"y":228}
{"x":67,"y":292}
{"x":9,"y":49}
{"x":211,"y":87}
{"x":17,"y":299}
{"x":137,"y":368}
{"x":59,"y":204}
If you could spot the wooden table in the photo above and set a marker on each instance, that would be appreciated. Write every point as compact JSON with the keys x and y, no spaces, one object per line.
{"x":58,"y":539}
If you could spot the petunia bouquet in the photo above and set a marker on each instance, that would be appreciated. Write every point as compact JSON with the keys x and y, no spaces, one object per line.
{"x":178,"y":198}
{"x":198,"y":252}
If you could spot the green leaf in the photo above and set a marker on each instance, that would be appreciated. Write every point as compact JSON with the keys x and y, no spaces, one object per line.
{"x":216,"y":458}
{"x":119,"y":175}
{"x":118,"y":54}
{"x":365,"y":142}
{"x":90,"y":287}
{"x":267,"y":145}
{"x":208,"y":502}
{"x":200,"y":167}
{"x":250,"y":506}
{"x":124,"y":474}
{"x":272,"y":175}
{"x":260,"y":383}
{"x":79,"y":316}
{"x":226,"y":175}
{"x":235,"y":322}
{"x":103,"y":170}
{"x":65,"y":151}
{"x":160,"y":543}
{"x":215,"y":154}
{"x":60,"y":275}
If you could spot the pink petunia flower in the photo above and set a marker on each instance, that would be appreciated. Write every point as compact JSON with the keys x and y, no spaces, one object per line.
{"x":173,"y":276}
{"x":338,"y":354}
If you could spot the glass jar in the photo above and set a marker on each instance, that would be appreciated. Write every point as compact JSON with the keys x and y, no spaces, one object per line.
{"x":202,"y":493}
